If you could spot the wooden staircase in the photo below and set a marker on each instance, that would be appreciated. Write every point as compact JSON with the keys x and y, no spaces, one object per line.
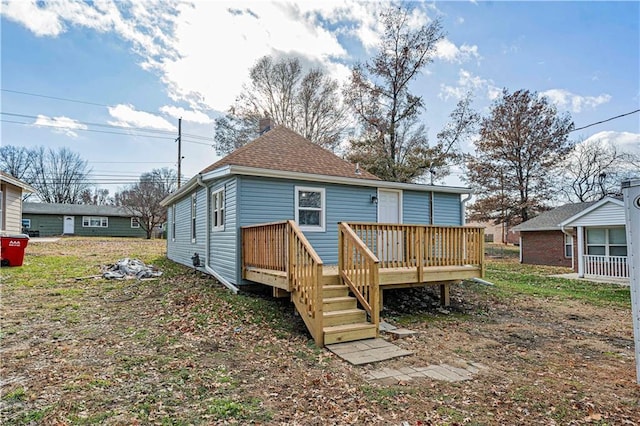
{"x":342,"y":320}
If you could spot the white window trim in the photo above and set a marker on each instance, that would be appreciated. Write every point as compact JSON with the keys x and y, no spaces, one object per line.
{"x":221,"y":210}
{"x":194,"y":212}
{"x":323,"y":209}
{"x":28,"y":222}
{"x":173,"y":222}
{"x":86,"y":221}
{"x":570,"y":243}
{"x":137,"y":222}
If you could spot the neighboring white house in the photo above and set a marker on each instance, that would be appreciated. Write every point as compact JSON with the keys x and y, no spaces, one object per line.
{"x":601,"y":240}
{"x":11,"y":190}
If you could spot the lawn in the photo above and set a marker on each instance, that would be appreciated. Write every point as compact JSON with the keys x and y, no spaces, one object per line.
{"x":183,"y":350}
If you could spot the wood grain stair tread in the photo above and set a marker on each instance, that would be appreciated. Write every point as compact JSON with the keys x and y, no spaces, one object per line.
{"x":349,"y":327}
{"x":343,"y":312}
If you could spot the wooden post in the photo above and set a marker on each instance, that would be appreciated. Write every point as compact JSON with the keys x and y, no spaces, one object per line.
{"x":317,"y":282}
{"x":340,"y":251}
{"x":375,"y":296}
{"x":420,"y":238}
{"x":482,"y":265}
{"x":445,"y":299}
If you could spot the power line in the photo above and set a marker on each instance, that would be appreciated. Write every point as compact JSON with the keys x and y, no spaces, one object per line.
{"x":54,"y":97}
{"x":604,"y":121}
{"x":105,"y":131}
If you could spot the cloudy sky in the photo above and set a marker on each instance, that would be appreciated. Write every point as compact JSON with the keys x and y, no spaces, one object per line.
{"x":109,"y":79}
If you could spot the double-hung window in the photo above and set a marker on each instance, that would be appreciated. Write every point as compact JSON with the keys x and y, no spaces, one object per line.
{"x":217,"y":210}
{"x":310,"y":208}
{"x":568,"y":246}
{"x":135,"y":222}
{"x":194,"y":199}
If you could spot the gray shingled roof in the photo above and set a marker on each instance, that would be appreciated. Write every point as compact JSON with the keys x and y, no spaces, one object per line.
{"x":74,"y":209}
{"x":550,"y":220}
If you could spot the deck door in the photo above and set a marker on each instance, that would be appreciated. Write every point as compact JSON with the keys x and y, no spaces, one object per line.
{"x":68,"y":225}
{"x":390,"y":242}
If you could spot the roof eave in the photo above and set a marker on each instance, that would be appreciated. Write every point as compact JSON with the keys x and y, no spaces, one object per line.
{"x":282,"y":174}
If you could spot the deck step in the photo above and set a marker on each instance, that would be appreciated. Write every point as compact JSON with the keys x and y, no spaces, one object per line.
{"x":338,"y":303}
{"x":335,"y":291}
{"x":330,"y":279}
{"x":349,"y":332}
{"x":345,"y":316}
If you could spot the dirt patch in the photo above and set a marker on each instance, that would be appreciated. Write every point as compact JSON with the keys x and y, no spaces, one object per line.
{"x":183,"y":350}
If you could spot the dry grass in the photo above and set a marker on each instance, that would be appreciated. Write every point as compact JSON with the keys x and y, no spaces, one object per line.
{"x":183,"y":350}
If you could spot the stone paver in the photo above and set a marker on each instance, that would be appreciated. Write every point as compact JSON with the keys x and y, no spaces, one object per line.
{"x":367,"y":351}
{"x":401,"y":333}
{"x":443,"y":372}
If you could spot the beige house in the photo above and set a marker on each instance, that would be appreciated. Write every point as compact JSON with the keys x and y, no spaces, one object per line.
{"x":11,"y":190}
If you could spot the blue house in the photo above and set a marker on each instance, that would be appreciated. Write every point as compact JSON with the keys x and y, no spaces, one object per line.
{"x":287,"y":213}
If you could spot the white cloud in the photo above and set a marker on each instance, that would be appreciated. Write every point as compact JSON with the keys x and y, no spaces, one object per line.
{"x":575,"y":103}
{"x":63,"y":125}
{"x":128,"y":116}
{"x":468,"y":82}
{"x":624,"y":141}
{"x":448,"y":51}
{"x":187,"y":115}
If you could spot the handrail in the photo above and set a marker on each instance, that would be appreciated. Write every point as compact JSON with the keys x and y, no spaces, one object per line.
{"x":358,"y":268}
{"x":422,"y":246}
{"x":606,"y":266}
{"x":281,"y":246}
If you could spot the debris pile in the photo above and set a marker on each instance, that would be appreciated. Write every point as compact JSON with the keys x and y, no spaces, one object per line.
{"x":128,"y":269}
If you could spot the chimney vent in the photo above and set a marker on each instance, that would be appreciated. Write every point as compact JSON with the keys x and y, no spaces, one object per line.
{"x":264,"y":125}
{"x":358,"y":172}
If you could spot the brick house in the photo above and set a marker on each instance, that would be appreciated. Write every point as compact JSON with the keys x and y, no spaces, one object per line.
{"x":588,"y":237}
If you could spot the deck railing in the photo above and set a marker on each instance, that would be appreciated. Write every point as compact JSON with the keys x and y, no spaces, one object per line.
{"x":358,"y":268}
{"x":420,"y":246}
{"x":606,"y":266}
{"x":281,"y":246}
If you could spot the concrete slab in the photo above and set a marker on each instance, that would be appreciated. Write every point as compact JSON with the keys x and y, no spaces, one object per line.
{"x":385,"y":326}
{"x":367,"y":351}
{"x":442,"y":372}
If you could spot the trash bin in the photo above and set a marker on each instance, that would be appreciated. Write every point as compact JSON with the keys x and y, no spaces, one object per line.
{"x":12,"y":249}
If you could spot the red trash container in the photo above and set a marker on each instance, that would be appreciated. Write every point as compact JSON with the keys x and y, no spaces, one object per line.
{"x":12,"y":249}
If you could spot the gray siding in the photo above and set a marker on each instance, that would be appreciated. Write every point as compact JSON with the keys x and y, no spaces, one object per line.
{"x":51,"y":225}
{"x":446,"y":210}
{"x":223,"y":245}
{"x":181,"y":249}
{"x":416,"y":208}
{"x":270,"y":200}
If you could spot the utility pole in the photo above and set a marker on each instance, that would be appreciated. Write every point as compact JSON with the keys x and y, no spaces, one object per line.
{"x":179,"y":150}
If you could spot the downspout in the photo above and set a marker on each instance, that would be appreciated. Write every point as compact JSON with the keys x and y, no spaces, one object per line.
{"x":573,"y":260}
{"x":208,"y":268}
{"x":462,"y":208}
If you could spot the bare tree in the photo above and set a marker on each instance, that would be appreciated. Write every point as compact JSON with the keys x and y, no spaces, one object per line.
{"x":17,"y":161}
{"x":96,"y":196}
{"x":60,"y":176}
{"x":307,"y":103}
{"x":143,"y":198}
{"x":521,"y":142}
{"x":393,"y":143}
{"x":594,"y":170}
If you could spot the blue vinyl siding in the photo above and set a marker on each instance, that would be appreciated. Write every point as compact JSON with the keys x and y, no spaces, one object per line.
{"x":223,"y":245}
{"x":182,"y":249}
{"x":270,"y":200}
{"x":446,"y":209}
{"x":416,"y":207}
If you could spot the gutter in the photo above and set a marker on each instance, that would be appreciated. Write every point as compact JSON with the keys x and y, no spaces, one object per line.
{"x":573,"y":258}
{"x":208,"y":268}
{"x":462,"y":208}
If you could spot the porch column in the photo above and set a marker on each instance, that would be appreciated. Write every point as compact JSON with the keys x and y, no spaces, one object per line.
{"x":580,"y":252}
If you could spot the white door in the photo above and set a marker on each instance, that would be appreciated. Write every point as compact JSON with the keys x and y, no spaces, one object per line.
{"x":390,"y":242}
{"x":68,"y":225}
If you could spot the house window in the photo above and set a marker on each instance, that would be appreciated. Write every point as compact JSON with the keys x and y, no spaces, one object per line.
{"x":310,"y":208}
{"x":607,"y":241}
{"x":193,"y":217}
{"x":173,"y":222}
{"x":568,"y":246}
{"x":26,"y":223}
{"x":95,"y":222}
{"x":217,"y":210}
{"x":135,"y":222}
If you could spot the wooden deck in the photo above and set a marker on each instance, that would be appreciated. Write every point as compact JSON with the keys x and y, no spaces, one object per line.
{"x":342,"y":302}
